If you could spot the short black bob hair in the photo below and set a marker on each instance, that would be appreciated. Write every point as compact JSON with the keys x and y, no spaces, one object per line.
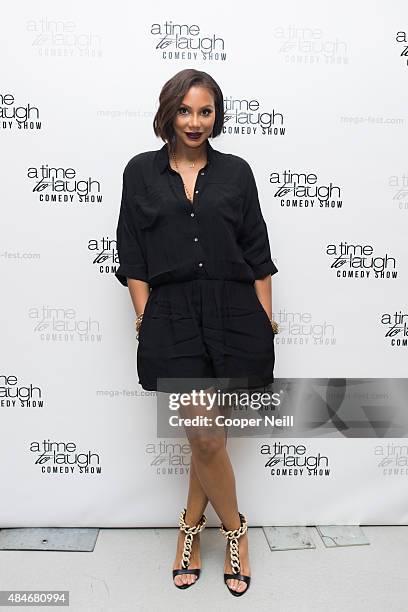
{"x":171,"y":96}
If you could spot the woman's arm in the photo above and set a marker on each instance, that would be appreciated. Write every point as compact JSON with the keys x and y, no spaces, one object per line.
{"x":263,"y":288}
{"x":129,"y":241}
{"x":139,"y":292}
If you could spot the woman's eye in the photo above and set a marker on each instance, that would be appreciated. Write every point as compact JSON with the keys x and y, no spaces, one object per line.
{"x":206,"y":111}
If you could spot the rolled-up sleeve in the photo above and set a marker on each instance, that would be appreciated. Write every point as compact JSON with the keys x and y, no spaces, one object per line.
{"x":129,"y":242}
{"x":253,"y":236}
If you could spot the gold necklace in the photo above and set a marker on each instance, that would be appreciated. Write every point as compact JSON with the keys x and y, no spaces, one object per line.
{"x":178,"y":170}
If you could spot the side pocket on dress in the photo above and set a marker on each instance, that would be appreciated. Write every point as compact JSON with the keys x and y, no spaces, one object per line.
{"x":263,"y":311}
{"x":146,"y":314}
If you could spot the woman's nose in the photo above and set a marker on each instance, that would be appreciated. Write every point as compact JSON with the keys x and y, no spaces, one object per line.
{"x":194,"y":120}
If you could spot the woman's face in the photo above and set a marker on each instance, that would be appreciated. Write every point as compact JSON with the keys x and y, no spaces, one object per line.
{"x":195,"y":117}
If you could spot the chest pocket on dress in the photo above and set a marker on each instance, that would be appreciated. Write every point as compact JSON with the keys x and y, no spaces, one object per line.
{"x":226,"y":199}
{"x":147,"y":207}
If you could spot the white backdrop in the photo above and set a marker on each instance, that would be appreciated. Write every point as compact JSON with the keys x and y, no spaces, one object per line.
{"x":333,"y":80}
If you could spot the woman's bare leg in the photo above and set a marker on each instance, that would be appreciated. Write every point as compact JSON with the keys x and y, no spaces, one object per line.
{"x":197,"y":501}
{"x":196,"y":504}
{"x":214,"y":471}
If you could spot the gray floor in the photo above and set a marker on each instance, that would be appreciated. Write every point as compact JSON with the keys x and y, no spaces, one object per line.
{"x":130,"y":570}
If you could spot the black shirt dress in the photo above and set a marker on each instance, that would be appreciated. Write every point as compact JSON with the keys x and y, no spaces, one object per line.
{"x":203,"y":318}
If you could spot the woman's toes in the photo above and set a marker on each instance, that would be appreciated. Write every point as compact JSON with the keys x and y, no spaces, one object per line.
{"x":190,"y":578}
{"x":237,"y":585}
{"x":181,"y":579}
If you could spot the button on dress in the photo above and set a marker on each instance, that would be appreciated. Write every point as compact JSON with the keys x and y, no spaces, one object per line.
{"x":203,"y":317}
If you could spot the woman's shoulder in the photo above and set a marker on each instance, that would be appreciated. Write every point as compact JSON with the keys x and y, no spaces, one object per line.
{"x":235,"y":166}
{"x":139,"y":160}
{"x":235,"y":160}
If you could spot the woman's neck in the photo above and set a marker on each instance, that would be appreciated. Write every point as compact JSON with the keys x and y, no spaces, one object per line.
{"x":188,"y":155}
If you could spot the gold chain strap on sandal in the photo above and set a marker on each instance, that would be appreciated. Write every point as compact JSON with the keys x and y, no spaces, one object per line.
{"x":233,"y":535}
{"x":190,"y":531}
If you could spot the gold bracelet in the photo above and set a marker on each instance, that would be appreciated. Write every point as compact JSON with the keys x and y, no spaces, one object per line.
{"x":138,"y":322}
{"x":275,"y":326}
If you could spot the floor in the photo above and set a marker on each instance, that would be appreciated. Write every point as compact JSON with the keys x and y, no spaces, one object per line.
{"x":130,"y":570}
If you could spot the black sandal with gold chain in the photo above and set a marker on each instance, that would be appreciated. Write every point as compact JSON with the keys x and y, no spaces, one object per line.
{"x":233,"y":536}
{"x":190,"y":531}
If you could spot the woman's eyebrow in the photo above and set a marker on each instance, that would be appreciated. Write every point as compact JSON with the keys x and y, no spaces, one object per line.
{"x":205,"y":105}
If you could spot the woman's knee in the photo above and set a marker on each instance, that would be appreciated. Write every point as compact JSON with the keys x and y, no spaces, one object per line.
{"x":205,"y":447}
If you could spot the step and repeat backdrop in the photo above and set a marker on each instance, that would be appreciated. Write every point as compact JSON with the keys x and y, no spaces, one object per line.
{"x":316,"y":101}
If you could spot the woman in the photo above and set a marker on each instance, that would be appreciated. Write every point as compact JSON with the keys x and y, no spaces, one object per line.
{"x":194,"y":252}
